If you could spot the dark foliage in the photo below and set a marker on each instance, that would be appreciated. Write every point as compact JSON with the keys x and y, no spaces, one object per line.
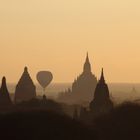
{"x":123,"y":123}
{"x":39,"y":104}
{"x":42,"y":125}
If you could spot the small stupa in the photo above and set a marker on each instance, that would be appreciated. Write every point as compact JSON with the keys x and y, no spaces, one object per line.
{"x":25,"y":89}
{"x":5,"y":100}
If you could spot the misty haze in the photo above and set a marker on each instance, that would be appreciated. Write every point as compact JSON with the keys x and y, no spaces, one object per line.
{"x":69,"y":70}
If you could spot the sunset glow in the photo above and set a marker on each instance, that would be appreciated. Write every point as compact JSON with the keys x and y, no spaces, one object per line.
{"x":56,"y":35}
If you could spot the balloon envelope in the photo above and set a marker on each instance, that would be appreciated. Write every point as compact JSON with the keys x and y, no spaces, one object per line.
{"x":44,"y":78}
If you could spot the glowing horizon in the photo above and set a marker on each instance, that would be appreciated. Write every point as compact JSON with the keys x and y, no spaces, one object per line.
{"x":55,"y":35}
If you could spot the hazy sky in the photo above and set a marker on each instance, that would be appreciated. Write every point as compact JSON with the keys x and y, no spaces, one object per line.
{"x":56,"y":34}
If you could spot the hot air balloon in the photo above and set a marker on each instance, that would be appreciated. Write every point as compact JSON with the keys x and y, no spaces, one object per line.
{"x":44,"y":78}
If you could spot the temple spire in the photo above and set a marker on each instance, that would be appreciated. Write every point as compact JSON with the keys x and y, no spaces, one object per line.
{"x":87,"y":66}
{"x":87,"y":58}
{"x":102,"y":79}
{"x":4,"y":89}
{"x":4,"y":94}
{"x":25,"y":69}
{"x":4,"y":83}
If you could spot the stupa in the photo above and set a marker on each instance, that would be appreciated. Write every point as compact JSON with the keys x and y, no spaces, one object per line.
{"x":25,"y":89}
{"x":101,"y":102}
{"x":5,"y":100}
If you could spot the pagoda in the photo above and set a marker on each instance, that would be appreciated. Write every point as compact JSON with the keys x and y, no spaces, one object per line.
{"x":25,"y":89}
{"x":82,"y":87}
{"x":5,"y":100}
{"x":101,"y":102}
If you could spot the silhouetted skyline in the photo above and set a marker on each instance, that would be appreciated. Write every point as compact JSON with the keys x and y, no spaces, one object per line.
{"x":45,"y":40}
{"x":55,"y":34}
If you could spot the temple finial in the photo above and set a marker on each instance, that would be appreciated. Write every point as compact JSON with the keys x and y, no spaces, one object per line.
{"x":3,"y":85}
{"x":103,"y":72}
{"x":102,"y":76}
{"x":4,"y":81}
{"x":87,"y":66}
{"x":25,"y":69}
{"x":87,"y":58}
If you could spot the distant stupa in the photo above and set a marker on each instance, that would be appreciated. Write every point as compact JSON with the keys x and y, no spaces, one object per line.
{"x":83,"y":86}
{"x":25,"y":89}
{"x":5,"y":100}
{"x":101,"y":102}
{"x":134,"y":91}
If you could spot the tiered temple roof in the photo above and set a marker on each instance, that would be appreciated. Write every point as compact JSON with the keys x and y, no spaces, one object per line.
{"x":83,"y":86}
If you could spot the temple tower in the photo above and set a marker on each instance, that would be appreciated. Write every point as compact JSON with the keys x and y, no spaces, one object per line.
{"x":87,"y":66}
{"x":5,"y":100}
{"x":101,"y":102}
{"x":82,"y":87}
{"x":25,"y":89}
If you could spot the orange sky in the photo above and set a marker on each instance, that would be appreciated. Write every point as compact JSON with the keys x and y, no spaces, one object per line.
{"x":56,"y":34}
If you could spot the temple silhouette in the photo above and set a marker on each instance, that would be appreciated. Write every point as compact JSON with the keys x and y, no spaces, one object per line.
{"x":5,"y":100}
{"x":101,"y":102}
{"x":134,"y":91}
{"x":82,"y":88}
{"x":25,"y":89}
